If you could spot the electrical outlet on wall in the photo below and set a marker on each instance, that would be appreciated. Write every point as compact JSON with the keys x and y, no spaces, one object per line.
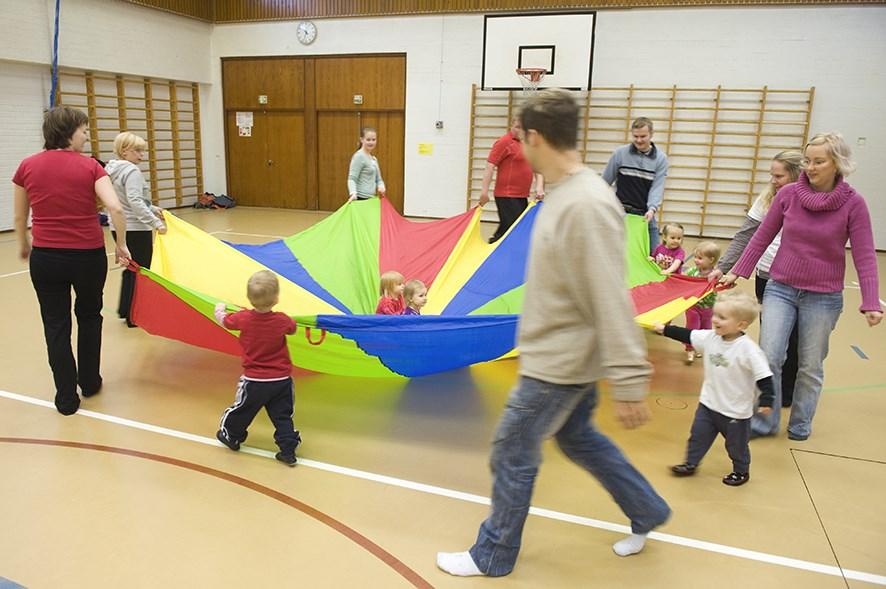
{"x":439,"y":124}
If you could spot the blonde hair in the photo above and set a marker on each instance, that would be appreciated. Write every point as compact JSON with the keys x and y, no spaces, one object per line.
{"x":665,"y":227}
{"x":708,"y":249}
{"x":412,"y":288}
{"x":792,"y":161}
{"x":389,"y":280}
{"x":262,"y":289}
{"x":838,"y":149}
{"x":743,"y":305}
{"x":127,"y":140}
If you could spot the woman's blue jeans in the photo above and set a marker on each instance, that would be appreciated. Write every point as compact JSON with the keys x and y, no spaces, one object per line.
{"x":537,"y":410}
{"x":817,"y":314}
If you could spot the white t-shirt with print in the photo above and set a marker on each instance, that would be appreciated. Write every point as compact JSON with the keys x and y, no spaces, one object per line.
{"x":731,"y":372}
{"x":757,"y":213}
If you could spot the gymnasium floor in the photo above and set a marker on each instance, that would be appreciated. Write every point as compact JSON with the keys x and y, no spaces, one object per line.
{"x":134,"y":491}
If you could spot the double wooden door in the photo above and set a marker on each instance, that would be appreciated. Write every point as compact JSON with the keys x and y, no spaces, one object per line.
{"x":306,"y":128}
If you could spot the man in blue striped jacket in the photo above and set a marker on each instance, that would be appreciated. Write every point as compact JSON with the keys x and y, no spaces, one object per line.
{"x":638,"y":170}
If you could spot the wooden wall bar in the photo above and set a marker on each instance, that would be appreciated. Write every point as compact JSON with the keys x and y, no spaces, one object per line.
{"x":165,"y":113}
{"x":221,"y":11}
{"x":719,"y":142}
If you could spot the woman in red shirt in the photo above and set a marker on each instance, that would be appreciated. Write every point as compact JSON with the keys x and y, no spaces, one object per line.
{"x":67,"y":248}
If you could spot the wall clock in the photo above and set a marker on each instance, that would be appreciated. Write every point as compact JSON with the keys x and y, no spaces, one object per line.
{"x":306,"y":32}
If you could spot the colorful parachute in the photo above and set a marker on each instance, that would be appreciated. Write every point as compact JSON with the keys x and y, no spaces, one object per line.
{"x":329,"y":283}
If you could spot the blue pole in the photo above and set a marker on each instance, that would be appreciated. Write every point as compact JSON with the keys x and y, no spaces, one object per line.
{"x":54,"y":57}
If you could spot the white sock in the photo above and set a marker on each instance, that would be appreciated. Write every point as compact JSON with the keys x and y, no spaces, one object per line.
{"x":630,"y":545}
{"x":459,"y":564}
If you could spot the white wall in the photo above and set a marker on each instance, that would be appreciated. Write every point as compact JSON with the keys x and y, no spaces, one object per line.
{"x":836,"y":49}
{"x":100,"y":35}
{"x":839,"y":50}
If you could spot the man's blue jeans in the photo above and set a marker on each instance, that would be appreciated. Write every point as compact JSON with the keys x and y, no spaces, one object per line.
{"x":817,"y":313}
{"x":654,"y":237}
{"x":537,"y":410}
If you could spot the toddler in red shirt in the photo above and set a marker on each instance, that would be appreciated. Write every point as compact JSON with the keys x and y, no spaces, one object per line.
{"x":267,"y":368}
{"x":391,"y":291}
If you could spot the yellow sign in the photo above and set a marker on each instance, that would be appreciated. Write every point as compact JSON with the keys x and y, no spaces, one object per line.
{"x":425,"y":148}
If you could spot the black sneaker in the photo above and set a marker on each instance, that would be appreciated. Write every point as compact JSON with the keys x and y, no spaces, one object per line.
{"x":797,"y":437}
{"x":288,"y":459}
{"x":684,"y":470}
{"x":222,"y":437}
{"x":734,"y":479}
{"x":92,"y":392}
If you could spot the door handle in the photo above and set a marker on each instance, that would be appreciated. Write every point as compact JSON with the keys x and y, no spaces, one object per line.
{"x":270,"y":162}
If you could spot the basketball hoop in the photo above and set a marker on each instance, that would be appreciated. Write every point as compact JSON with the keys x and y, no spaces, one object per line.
{"x":531,"y":77}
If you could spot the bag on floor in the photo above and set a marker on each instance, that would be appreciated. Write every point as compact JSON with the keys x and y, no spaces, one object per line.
{"x":223,"y":201}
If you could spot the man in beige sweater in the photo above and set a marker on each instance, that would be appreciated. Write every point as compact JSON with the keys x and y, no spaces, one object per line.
{"x":577,"y":328}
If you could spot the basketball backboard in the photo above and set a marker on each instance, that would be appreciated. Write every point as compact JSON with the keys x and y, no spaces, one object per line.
{"x":560,"y":42}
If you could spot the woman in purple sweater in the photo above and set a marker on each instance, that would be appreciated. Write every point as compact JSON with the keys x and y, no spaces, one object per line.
{"x":816,"y":215}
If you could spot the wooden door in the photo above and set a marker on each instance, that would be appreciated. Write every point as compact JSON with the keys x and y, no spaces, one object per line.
{"x":247,"y":161}
{"x":338,"y":139}
{"x":380,"y":82}
{"x":286,"y":179}
{"x":389,"y":150}
{"x":338,"y":135}
{"x":267,"y":169}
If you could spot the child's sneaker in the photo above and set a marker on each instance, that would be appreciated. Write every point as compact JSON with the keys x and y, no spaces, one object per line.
{"x":222,"y":437}
{"x":287,"y":458}
{"x":684,"y":470}
{"x":734,"y":479}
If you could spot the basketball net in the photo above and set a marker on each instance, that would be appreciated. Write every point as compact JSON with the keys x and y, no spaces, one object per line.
{"x":530,"y":78}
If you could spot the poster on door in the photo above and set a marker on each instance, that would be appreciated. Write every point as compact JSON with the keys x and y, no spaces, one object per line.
{"x":244,"y":123}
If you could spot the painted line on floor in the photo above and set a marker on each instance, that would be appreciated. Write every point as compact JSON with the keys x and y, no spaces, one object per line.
{"x":351,"y":534}
{"x":14,"y":273}
{"x":479,"y":499}
{"x":858,"y":351}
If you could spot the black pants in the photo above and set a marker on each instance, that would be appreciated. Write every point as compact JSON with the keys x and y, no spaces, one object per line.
{"x":705,"y":427}
{"x":141,"y":248}
{"x":792,"y":360}
{"x":509,"y":210}
{"x":276,"y":397}
{"x":54,"y":272}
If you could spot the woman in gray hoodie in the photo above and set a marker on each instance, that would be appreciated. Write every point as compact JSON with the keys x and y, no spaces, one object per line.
{"x":142,"y":217}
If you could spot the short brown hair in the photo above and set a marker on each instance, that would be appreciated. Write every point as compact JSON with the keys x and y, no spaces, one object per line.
{"x":263,"y":289}
{"x":641,"y":122}
{"x":59,"y":125}
{"x":553,"y":114}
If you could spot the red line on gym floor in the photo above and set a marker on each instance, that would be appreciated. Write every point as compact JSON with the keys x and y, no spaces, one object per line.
{"x":377,"y":551}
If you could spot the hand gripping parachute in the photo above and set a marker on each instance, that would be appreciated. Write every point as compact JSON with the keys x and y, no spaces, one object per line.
{"x":329,"y":277}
